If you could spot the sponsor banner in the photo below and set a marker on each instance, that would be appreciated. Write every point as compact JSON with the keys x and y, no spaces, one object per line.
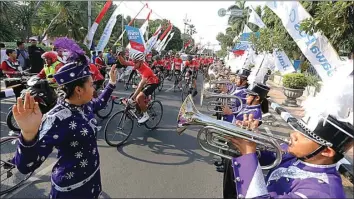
{"x":282,"y":62}
{"x":135,"y":38}
{"x":316,"y":47}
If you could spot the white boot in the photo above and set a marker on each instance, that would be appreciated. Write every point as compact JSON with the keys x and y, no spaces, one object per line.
{"x":144,"y":118}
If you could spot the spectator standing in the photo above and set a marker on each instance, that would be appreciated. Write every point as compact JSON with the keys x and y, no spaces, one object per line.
{"x":110,"y":58}
{"x":22,"y":56}
{"x":35,"y":54}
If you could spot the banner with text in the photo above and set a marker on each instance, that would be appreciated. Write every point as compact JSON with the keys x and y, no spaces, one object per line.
{"x":136,"y":39}
{"x":316,"y":48}
{"x":282,"y":62}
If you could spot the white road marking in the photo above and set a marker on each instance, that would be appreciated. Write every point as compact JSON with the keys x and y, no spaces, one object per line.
{"x":167,"y":90}
{"x":34,"y":177}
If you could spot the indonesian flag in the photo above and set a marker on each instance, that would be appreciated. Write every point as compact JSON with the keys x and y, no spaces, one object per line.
{"x":187,"y":44}
{"x":153,"y":39}
{"x":168,"y":29}
{"x":164,"y":41}
{"x":89,"y":37}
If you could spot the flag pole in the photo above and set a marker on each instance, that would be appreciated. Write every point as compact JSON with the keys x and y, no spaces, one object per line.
{"x":130,"y":23}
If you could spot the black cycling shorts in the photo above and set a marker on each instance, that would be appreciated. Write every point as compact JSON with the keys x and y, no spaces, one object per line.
{"x":149,"y":89}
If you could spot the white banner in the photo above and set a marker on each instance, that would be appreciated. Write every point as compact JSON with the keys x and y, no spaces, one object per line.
{"x":316,"y":48}
{"x":159,"y":47}
{"x":107,"y":31}
{"x":282,"y":62}
{"x":255,"y":19}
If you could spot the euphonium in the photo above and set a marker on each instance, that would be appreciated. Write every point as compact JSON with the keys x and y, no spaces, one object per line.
{"x":216,"y":131}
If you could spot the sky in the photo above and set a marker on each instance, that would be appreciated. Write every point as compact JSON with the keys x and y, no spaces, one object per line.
{"x":203,"y":14}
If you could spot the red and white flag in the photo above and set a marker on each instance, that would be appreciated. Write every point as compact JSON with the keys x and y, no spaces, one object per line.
{"x":89,"y":37}
{"x":153,"y":39}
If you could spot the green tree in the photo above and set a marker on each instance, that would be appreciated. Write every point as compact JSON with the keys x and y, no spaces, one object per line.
{"x":335,"y":20}
{"x":176,"y":42}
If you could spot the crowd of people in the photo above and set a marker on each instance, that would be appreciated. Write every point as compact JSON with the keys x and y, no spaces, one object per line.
{"x":307,"y":169}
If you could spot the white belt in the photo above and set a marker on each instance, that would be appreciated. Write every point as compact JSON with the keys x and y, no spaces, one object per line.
{"x":74,"y":186}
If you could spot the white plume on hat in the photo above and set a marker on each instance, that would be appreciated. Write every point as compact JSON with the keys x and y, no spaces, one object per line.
{"x":335,"y":99}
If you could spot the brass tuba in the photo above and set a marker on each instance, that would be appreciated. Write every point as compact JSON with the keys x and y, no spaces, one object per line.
{"x":216,"y":131}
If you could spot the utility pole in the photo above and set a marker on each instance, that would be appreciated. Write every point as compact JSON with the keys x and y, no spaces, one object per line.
{"x":122,"y":29}
{"x":186,"y":22}
{"x":88,"y":15}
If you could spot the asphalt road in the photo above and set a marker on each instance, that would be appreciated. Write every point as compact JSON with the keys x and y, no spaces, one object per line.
{"x":153,"y":164}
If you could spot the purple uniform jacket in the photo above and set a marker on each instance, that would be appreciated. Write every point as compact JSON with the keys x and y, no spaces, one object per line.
{"x":293,"y":178}
{"x":70,"y":129}
{"x":254,"y":109}
{"x":238,"y":92}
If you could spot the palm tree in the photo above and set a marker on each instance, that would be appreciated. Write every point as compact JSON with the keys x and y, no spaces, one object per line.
{"x":237,"y":23}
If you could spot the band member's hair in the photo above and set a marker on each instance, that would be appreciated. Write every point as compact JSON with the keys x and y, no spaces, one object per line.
{"x":265,"y":106}
{"x":69,"y":88}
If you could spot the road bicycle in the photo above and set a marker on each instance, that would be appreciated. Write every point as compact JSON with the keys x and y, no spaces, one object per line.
{"x":187,"y":88}
{"x":11,"y":178}
{"x":123,"y":120}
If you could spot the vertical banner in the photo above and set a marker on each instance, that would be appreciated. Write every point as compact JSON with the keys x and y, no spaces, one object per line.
{"x":89,"y":37}
{"x":136,"y":39}
{"x":282,"y":62}
{"x":107,"y":31}
{"x":316,"y":47}
{"x":152,"y":41}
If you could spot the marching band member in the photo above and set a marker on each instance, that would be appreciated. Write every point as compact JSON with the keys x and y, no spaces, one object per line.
{"x":308,"y":167}
{"x":238,"y":89}
{"x":253,"y":110}
{"x":70,"y":127}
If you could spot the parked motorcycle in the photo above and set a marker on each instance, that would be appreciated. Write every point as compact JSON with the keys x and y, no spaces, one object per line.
{"x":42,"y":92}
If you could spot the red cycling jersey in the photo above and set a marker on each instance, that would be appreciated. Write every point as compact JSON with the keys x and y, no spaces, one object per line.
{"x":96,"y":75}
{"x":158,"y":63}
{"x":168,"y":64}
{"x":178,"y":62}
{"x":147,"y":73}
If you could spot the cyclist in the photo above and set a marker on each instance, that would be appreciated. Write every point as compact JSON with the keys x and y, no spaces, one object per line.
{"x":51,"y":67}
{"x":158,"y":64}
{"x":168,"y":64}
{"x":189,"y":71}
{"x":146,"y":86}
{"x":177,"y":62}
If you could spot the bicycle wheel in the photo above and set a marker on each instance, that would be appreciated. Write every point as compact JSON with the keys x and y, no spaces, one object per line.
{"x":161,"y":80}
{"x":11,"y":178}
{"x":155,"y":111}
{"x":119,"y":126}
{"x":107,"y":110}
{"x":11,"y":122}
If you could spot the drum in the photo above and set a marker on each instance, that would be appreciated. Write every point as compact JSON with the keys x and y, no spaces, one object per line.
{"x":12,"y":82}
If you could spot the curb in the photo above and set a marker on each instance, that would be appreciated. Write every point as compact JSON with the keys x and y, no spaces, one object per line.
{"x":7,"y":93}
{"x":345,"y":168}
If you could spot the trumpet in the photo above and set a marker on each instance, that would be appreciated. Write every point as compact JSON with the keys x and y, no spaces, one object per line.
{"x":222,"y":100}
{"x":216,"y":133}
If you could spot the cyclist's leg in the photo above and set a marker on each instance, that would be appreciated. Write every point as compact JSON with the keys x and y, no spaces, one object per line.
{"x":140,"y":99}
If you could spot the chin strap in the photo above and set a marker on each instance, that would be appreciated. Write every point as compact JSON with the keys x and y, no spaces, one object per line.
{"x":315,"y":152}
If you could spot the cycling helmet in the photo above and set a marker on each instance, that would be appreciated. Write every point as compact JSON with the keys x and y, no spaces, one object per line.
{"x":139,"y":56}
{"x":50,"y":55}
{"x":190,"y":57}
